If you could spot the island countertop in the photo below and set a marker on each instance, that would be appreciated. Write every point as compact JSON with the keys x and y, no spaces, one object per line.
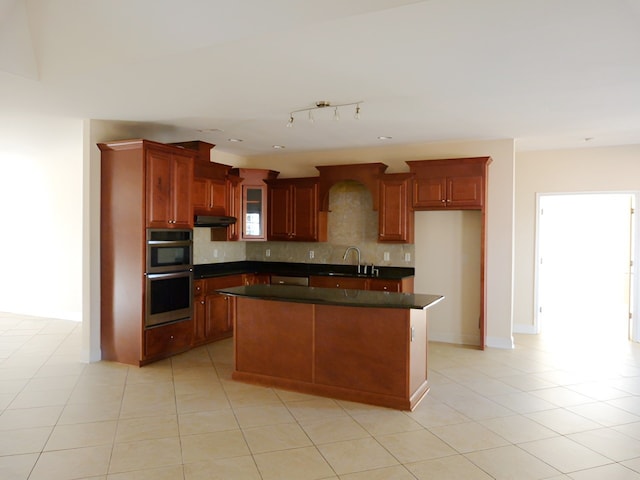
{"x":334,"y":296}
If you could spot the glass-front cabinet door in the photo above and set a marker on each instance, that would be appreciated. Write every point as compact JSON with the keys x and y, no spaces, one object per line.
{"x":253,"y":212}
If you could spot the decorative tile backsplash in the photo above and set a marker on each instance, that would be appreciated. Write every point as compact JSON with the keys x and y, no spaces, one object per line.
{"x":351,"y":222}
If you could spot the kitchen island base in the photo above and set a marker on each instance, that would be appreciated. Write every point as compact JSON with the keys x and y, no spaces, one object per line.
{"x":376,"y":356}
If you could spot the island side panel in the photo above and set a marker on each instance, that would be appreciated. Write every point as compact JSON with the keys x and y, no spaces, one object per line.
{"x":274,"y":339}
{"x":418,"y":354}
{"x":363,"y":349}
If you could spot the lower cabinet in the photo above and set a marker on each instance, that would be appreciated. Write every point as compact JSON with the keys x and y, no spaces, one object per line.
{"x":348,"y":283}
{"x":166,"y":340}
{"x":404,"y":285}
{"x":212,"y":312}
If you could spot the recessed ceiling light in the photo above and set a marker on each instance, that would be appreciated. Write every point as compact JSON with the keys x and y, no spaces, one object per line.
{"x":209,"y":130}
{"x":384,"y":137}
{"x":278,"y":147}
{"x":235,"y":140}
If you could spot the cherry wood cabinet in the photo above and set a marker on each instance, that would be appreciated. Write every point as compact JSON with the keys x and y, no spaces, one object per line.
{"x":458,"y":184}
{"x":234,"y":206}
{"x":166,"y":340}
{"x":348,"y":283}
{"x":404,"y":285}
{"x":209,"y":196}
{"x":215,"y":191}
{"x":213,"y":314}
{"x":143,"y":184}
{"x":257,"y":279}
{"x":169,"y":175}
{"x":209,"y":188}
{"x":395,"y":215}
{"x":293,"y":212}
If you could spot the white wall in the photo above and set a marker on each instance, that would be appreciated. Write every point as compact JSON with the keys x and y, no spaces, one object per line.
{"x":450,"y":242}
{"x":41,"y":211}
{"x":605,"y":169}
{"x":500,"y":221}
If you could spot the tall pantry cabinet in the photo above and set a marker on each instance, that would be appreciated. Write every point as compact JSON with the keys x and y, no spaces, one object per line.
{"x":144,"y":184}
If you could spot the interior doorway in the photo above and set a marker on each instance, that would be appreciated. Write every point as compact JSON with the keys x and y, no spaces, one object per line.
{"x":584,"y":281}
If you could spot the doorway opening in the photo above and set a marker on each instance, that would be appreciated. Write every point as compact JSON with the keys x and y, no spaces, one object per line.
{"x":584,"y":270}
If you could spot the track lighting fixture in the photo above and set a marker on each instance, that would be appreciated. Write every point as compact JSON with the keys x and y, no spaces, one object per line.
{"x":319,"y":105}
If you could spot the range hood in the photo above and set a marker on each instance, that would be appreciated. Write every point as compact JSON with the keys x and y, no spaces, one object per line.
{"x":213,"y":221}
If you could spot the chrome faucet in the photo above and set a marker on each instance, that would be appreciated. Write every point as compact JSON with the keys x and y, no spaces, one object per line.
{"x":357,"y":250}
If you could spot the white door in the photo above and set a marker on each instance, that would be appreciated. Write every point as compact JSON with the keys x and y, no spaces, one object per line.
{"x":584,"y":271}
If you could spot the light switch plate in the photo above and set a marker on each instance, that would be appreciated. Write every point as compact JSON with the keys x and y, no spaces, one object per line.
{"x":407,"y":257}
{"x":385,"y":256}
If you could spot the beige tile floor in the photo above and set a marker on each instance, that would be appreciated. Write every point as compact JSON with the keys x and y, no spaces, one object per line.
{"x":541,"y":411}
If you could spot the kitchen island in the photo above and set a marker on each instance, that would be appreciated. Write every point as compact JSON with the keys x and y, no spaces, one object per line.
{"x":355,"y":345}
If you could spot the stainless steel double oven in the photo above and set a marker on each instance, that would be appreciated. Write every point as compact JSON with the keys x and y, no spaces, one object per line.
{"x":169,"y":275}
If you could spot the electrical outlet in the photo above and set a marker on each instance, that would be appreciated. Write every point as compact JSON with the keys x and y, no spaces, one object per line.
{"x":385,"y":256}
{"x":267,"y":252}
{"x":311,"y":254}
{"x":407,"y":257}
{"x":215,"y":253}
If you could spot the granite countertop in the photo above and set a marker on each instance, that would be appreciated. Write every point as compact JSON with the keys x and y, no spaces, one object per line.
{"x":334,"y":296}
{"x":295,"y":269}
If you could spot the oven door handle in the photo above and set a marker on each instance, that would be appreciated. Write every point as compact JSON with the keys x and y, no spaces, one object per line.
{"x":181,"y":273}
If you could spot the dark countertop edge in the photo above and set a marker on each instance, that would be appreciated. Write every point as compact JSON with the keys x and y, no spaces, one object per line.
{"x":293,"y":269}
{"x":334,"y":296}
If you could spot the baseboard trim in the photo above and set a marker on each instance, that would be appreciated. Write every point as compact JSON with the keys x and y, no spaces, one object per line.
{"x":458,"y":339}
{"x":500,"y":342}
{"x":526,"y":329}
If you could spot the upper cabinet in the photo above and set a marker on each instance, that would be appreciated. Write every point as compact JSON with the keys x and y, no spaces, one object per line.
{"x":209,"y":195}
{"x":234,"y":206}
{"x":395,"y":215}
{"x":458,"y":183}
{"x":169,"y":173}
{"x":293,"y":212}
{"x":251,"y":202}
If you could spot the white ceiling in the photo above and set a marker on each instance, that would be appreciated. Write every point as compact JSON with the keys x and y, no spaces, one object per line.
{"x":548,"y":73}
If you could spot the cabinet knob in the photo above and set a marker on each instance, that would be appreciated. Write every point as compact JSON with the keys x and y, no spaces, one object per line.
{"x":171,"y":337}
